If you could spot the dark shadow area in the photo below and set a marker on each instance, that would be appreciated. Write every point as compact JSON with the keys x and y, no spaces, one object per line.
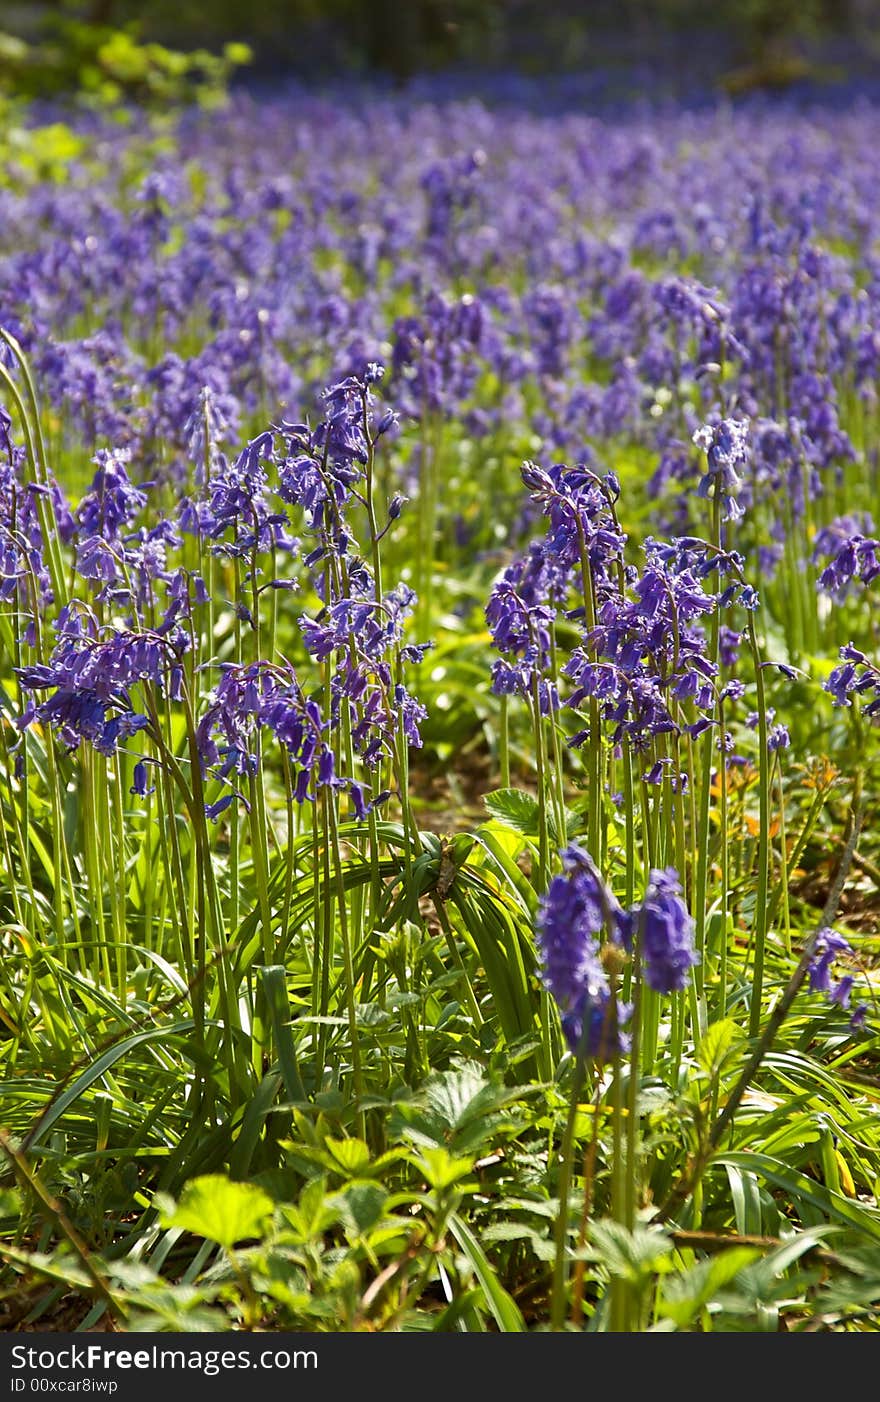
{"x":613,"y":49}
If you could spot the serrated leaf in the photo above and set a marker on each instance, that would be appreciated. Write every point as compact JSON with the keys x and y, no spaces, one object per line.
{"x":352,"y":1155}
{"x":314,"y":1213}
{"x":629,"y":1255}
{"x":542,"y":1246}
{"x":441,"y":1169}
{"x":362,"y":1206}
{"x":515,"y":809}
{"x":686,"y":1293}
{"x":519,"y":810}
{"x":214,"y":1207}
{"x":459,"y":1108}
{"x":715,"y":1045}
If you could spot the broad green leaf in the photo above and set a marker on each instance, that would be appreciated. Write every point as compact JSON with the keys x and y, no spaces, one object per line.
{"x":352,"y":1155}
{"x":459,"y":1108}
{"x":441,"y":1169}
{"x":687,"y":1292}
{"x":215,"y":1207}
{"x":716,"y":1044}
{"x":519,"y":1231}
{"x":515,"y":809}
{"x":362,"y":1206}
{"x":314,"y":1213}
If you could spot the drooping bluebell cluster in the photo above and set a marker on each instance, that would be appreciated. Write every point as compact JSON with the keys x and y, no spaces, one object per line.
{"x":263,"y":696}
{"x":92,"y":678}
{"x":520,"y":619}
{"x":24,"y":575}
{"x":644,"y":667}
{"x":573,"y":912}
{"x":856,"y":676}
{"x":105,"y":681}
{"x":664,"y":929}
{"x":850,"y":554}
{"x":725,"y":446}
{"x":829,"y":947}
{"x":647,"y":651}
{"x":359,"y":630}
{"x":582,"y":535}
{"x":235,"y":510}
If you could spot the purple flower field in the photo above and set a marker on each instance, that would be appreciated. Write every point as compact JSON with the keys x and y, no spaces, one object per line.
{"x":439,"y":861}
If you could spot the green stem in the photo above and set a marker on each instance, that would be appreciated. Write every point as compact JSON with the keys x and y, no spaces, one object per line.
{"x":347,"y":960}
{"x":566,"y":1169}
{"x":759,"y":933}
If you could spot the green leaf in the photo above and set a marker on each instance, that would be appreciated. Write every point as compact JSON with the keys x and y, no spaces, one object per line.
{"x":800,"y":1189}
{"x":10,"y":1202}
{"x":97,"y":1069}
{"x":362,"y":1206}
{"x":216,"y":1208}
{"x":746,"y":1200}
{"x":503,"y":1306}
{"x":515,"y":809}
{"x":56,"y":1267}
{"x":687,"y":1292}
{"x":274,"y":981}
{"x":459,"y":1108}
{"x":520,"y":1231}
{"x":441,"y":1169}
{"x":629,"y":1255}
{"x":314,"y":1214}
{"x":352,"y":1155}
{"x":764,"y":1281}
{"x":716,"y":1044}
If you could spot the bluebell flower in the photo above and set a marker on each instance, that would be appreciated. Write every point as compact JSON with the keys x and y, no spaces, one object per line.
{"x":842,"y":991}
{"x":91,"y":682}
{"x":574,"y":910}
{"x":665,"y":931}
{"x":591,"y":1029}
{"x":725,"y":446}
{"x":112,"y":500}
{"x":855,"y":677}
{"x":829,"y":945}
{"x":778,"y":737}
{"x":140,"y":784}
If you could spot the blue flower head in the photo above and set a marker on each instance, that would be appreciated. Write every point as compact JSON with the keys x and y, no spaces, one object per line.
{"x":666,"y":933}
{"x":573,"y":911}
{"x":725,"y":446}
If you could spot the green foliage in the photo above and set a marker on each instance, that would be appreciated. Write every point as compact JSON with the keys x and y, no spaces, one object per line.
{"x":30,"y":154}
{"x":108,"y":66}
{"x":219,"y":1210}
